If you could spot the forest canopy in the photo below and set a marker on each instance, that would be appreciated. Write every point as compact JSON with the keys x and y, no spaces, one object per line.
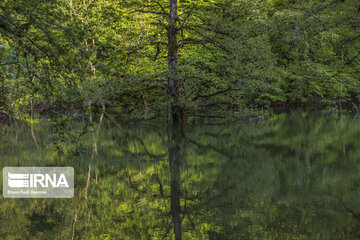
{"x":192,"y":57}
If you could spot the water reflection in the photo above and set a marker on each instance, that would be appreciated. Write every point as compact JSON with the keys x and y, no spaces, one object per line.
{"x":176,"y":152}
{"x":294,"y":176}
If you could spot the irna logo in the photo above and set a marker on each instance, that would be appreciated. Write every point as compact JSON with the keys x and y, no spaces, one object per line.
{"x":38,"y":182}
{"x":16,"y":180}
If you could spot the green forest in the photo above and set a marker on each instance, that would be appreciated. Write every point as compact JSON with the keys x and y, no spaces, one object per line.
{"x":142,"y":59}
{"x":181,"y":119}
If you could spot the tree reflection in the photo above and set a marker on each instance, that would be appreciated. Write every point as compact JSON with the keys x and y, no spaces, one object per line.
{"x":289,"y":177}
{"x":176,"y":154}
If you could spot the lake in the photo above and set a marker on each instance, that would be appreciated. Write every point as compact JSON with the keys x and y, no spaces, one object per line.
{"x":291,"y":176}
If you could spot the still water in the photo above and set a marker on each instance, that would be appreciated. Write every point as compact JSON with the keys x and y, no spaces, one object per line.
{"x":292,"y":176}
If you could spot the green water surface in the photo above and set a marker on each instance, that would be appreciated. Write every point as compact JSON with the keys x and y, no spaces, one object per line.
{"x":292,"y":176}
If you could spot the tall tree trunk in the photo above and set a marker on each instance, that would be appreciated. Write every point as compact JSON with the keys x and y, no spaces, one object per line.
{"x":173,"y":79}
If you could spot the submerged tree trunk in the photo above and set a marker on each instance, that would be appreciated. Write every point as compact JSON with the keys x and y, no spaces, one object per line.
{"x":177,"y":114}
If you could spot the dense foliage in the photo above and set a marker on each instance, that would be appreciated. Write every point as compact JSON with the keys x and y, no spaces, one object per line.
{"x":79,"y":57}
{"x":288,"y":177}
